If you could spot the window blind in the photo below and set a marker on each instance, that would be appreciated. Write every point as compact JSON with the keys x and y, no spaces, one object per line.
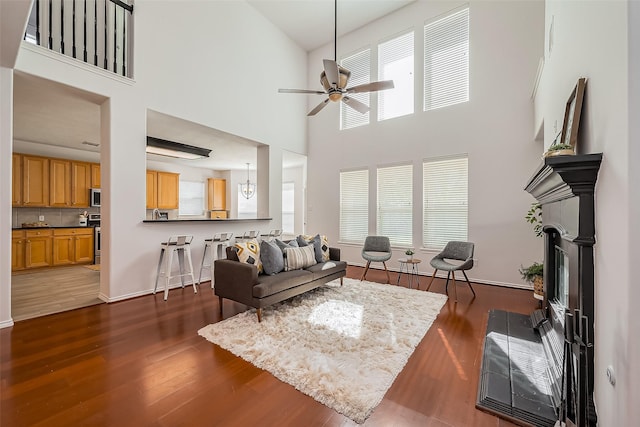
{"x":360,"y":66}
{"x":354,"y":205}
{"x":445,"y":201}
{"x":395,"y":62}
{"x":191,"y":198}
{"x":446,"y":61}
{"x":395,"y":204}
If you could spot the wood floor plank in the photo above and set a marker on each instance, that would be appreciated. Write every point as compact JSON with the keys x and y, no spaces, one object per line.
{"x":141,"y":362}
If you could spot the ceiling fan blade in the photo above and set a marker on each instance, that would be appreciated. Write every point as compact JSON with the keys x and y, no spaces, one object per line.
{"x":371,"y":87}
{"x":332,"y":73}
{"x":356,"y":105}
{"x":316,"y":92}
{"x":318,"y":107}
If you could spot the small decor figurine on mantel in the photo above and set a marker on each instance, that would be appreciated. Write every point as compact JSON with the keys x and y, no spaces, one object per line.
{"x":409,"y":253}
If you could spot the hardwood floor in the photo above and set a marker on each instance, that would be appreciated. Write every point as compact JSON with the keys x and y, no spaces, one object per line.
{"x":140,"y":362}
{"x":45,"y":291}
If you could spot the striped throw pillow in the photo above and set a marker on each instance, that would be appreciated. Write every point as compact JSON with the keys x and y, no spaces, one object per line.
{"x":297,"y":258}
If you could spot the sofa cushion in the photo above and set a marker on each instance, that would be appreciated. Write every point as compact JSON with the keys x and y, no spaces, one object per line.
{"x":297,"y":258}
{"x":271,"y":257}
{"x":269,"y":285}
{"x":249,"y":253}
{"x":323,"y":269}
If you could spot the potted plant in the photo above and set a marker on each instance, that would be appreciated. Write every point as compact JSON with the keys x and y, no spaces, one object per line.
{"x":534,"y":216}
{"x":409,"y":253}
{"x":559,"y":150}
{"x":533,"y":275}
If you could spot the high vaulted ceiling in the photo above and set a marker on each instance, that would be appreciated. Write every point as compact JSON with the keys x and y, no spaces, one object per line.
{"x":310,"y":23}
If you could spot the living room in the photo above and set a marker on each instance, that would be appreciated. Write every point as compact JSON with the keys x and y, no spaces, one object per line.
{"x":499,"y":129}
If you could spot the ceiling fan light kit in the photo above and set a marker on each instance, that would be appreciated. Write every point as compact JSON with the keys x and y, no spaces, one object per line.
{"x":334,"y":80}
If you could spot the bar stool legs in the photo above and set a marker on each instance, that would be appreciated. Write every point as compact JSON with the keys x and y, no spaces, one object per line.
{"x":215,"y":247}
{"x":181,"y":245}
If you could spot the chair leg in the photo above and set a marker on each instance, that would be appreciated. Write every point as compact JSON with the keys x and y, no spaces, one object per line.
{"x":364,"y":273}
{"x":446,"y":285}
{"x":341,"y":280}
{"x":159,"y":269}
{"x":259,"y":311}
{"x":433,"y":276}
{"x":168,"y":273}
{"x":204,"y":256}
{"x":455,"y":288}
{"x":181,"y":265}
{"x":469,"y":283}
{"x":193,"y":278}
{"x":387,"y":271}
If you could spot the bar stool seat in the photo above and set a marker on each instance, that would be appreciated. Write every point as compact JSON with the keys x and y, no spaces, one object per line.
{"x":272,"y":235}
{"x":180,"y":245}
{"x":216,"y":248}
{"x":248,"y":235}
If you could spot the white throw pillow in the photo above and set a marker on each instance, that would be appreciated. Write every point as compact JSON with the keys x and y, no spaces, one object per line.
{"x":297,"y":258}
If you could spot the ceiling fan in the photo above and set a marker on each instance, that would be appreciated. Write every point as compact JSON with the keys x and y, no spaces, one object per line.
{"x":334,"y":80}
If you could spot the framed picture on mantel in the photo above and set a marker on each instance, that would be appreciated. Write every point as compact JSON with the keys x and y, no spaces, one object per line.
{"x":572,"y":114}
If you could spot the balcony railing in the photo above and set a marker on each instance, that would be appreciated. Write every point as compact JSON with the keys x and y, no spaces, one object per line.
{"x":94,"y":31}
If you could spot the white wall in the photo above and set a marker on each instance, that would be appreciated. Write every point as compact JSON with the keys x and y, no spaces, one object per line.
{"x":494,"y":128}
{"x":296,"y":175}
{"x":606,"y":126}
{"x":221,"y":63}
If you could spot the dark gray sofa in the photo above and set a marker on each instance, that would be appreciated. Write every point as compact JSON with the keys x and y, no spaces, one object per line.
{"x":241,"y":282}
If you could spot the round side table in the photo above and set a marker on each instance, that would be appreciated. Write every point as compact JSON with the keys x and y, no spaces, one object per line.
{"x":411,"y":275}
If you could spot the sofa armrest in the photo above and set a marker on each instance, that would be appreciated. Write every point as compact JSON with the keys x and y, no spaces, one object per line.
{"x":334,"y":254}
{"x":235,"y":280}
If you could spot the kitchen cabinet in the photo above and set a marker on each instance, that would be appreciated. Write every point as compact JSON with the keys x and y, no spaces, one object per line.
{"x":17,"y":250}
{"x":35,"y":181}
{"x":16,"y":182}
{"x":216,"y":194}
{"x":38,"y":248}
{"x":59,"y":183}
{"x":163,"y":190}
{"x":80,"y":184}
{"x":218,"y":214}
{"x":72,"y":245}
{"x":95,"y":175}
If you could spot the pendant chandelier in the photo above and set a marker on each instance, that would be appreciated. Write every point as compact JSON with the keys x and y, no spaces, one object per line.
{"x":248,"y":189}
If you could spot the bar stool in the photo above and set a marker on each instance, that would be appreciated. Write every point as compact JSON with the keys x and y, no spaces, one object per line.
{"x":273,"y":234}
{"x":248,"y":235}
{"x":181,"y":245}
{"x":216,"y":246}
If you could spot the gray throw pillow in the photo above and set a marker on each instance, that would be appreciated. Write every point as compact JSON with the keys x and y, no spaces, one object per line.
{"x":302,"y":242}
{"x":317,"y":247}
{"x":283,"y":245}
{"x":271,"y":258}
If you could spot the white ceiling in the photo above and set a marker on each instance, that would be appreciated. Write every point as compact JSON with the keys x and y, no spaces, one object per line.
{"x":54,"y":114}
{"x":310,"y":23}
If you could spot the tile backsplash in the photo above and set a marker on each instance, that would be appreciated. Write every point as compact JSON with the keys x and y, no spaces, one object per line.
{"x":55,"y":217}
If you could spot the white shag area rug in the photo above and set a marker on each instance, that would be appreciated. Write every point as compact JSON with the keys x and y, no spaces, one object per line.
{"x":341,"y":345}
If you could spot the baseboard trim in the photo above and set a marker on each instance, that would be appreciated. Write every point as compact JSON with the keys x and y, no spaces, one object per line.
{"x":149,"y":291}
{"x":6,"y":324}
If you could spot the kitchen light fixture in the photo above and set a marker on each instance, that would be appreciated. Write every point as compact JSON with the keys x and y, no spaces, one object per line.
{"x":248,"y":189}
{"x":163,"y":147}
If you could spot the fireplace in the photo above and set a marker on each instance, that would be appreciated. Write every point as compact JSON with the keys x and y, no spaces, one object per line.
{"x":562,"y":331}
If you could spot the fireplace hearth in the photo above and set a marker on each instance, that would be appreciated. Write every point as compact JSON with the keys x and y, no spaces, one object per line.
{"x":537,"y":369}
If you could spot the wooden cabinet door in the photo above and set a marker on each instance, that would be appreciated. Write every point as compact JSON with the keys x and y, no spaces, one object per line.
{"x":95,"y":175}
{"x":59,"y":183}
{"x":35,"y":181}
{"x":80,"y":184}
{"x":152,"y":189}
{"x":217,"y":194}
{"x":17,"y":250}
{"x":83,"y":248}
{"x":38,"y":248}
{"x":16,"y":182}
{"x":63,"y":250}
{"x":168,"y":190}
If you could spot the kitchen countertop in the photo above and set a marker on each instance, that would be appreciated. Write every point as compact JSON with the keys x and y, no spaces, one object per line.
{"x":153,"y":221}
{"x":52,"y":227}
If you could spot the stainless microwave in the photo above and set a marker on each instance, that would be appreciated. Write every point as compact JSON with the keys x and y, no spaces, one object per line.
{"x":94,"y":197}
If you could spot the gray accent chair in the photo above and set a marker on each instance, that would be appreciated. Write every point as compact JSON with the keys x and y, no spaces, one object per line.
{"x":458,"y":251}
{"x":376,"y":249}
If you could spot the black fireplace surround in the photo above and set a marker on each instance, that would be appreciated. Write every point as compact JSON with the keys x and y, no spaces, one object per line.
{"x":561,"y":334}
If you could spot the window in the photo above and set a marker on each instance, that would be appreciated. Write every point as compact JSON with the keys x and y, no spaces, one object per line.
{"x":395,"y":62}
{"x":354,"y":205}
{"x":288,"y":207}
{"x":445,"y":201}
{"x":191,"y":198}
{"x":395,"y":204}
{"x":446,"y":61}
{"x":247,"y":208}
{"x":360,"y":66}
